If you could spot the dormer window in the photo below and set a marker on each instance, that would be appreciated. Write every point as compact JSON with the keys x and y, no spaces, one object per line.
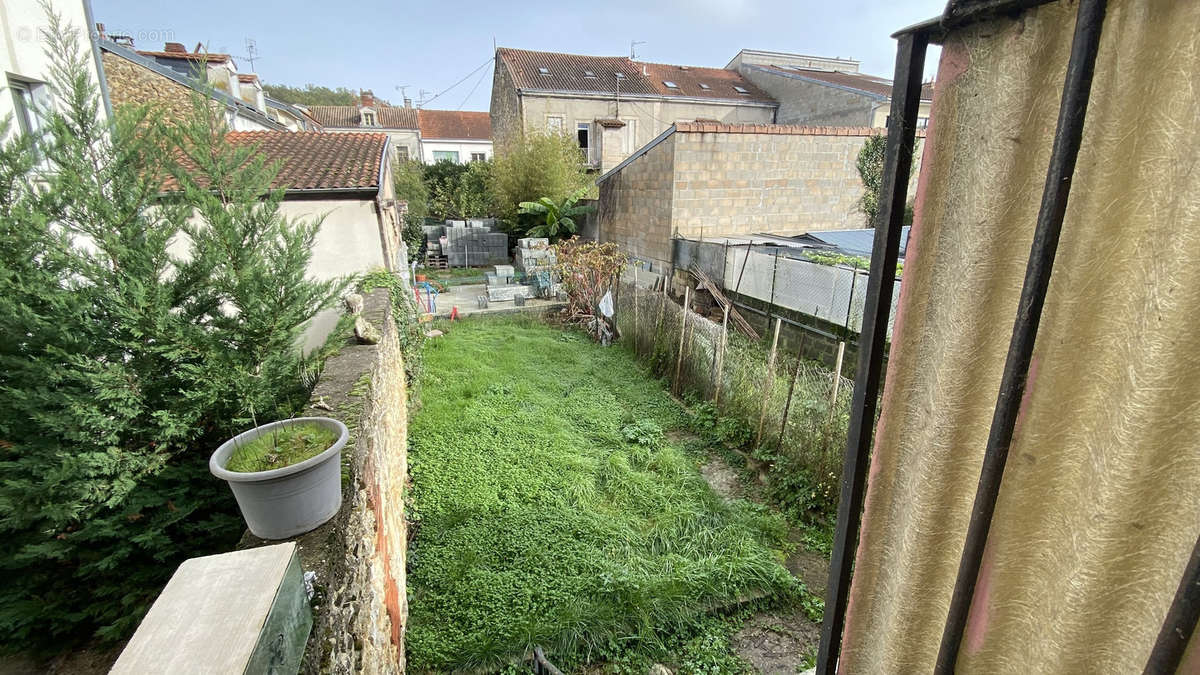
{"x":544,"y":71}
{"x":589,"y":74}
{"x":740,"y":90}
{"x":368,"y":118}
{"x":704,"y":86}
{"x":620,"y":76}
{"x":670,"y":85}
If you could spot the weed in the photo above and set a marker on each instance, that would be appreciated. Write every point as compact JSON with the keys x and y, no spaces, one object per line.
{"x":545,"y":518}
{"x":285,"y":446}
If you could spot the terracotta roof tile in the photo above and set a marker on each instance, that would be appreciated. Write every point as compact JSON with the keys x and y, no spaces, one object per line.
{"x":347,"y":116}
{"x":570,"y":72}
{"x":455,"y":124}
{"x":312,"y":160}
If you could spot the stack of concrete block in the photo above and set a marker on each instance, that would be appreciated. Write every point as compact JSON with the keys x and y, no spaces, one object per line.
{"x":502,"y":285}
{"x":433,"y":236}
{"x":535,"y":260}
{"x":468,"y":246}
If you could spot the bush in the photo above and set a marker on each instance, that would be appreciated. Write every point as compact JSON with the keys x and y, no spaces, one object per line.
{"x":459,"y":191}
{"x":408,"y":178}
{"x":535,"y":166}
{"x":122,"y":365}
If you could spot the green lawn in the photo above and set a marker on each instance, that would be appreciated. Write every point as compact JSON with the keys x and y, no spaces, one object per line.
{"x":553,"y":511}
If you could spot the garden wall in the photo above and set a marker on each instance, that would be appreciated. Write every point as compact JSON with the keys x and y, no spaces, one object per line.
{"x":358,"y":558}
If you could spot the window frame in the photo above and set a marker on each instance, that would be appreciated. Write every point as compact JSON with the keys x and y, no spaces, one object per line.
{"x":478,"y":156}
{"x":26,"y":107}
{"x":439,"y":155}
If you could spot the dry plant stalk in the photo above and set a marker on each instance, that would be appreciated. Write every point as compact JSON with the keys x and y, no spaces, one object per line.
{"x":589,"y":270}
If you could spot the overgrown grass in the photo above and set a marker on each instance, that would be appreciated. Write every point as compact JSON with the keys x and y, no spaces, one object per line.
{"x":552,"y":510}
{"x":285,"y":446}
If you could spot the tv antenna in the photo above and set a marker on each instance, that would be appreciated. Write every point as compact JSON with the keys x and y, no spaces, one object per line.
{"x":423,"y":95}
{"x":632,"y":48}
{"x":400,"y":88}
{"x":251,"y":52}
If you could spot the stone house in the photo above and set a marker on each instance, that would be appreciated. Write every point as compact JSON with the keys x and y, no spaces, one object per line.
{"x":614,"y":105}
{"x":456,"y":135}
{"x":345,"y":180}
{"x":705,"y":180}
{"x":24,"y":86}
{"x":815,"y":90}
{"x":171,"y":77}
{"x":372,"y":116}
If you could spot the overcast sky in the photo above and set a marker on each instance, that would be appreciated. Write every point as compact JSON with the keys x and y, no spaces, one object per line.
{"x":433,"y":45}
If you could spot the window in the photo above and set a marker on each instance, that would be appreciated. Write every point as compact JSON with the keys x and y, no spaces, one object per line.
{"x":439,"y":155}
{"x":544,"y":71}
{"x":478,"y":156}
{"x":554,"y":123}
{"x":670,"y":84}
{"x":402,"y":153}
{"x":704,"y":86}
{"x":922,"y":122}
{"x":589,"y":74}
{"x":583,"y":132}
{"x":740,"y":90}
{"x":629,"y":140}
{"x":620,"y":76}
{"x":368,"y":118}
{"x":27,"y":98}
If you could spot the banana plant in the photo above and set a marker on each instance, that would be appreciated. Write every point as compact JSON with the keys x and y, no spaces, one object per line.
{"x":559,"y":216}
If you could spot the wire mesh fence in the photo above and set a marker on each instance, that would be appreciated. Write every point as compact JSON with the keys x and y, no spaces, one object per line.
{"x":795,"y":409}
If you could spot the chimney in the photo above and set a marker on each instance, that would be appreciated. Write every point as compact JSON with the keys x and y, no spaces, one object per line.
{"x":100,"y":31}
{"x":366,"y":98}
{"x":407,"y":102}
{"x":174,"y":48}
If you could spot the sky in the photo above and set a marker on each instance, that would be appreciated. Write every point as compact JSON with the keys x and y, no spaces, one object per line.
{"x":441,"y":51}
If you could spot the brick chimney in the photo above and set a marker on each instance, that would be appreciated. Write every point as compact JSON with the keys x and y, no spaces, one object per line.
{"x":366,"y":98}
{"x":174,"y":48}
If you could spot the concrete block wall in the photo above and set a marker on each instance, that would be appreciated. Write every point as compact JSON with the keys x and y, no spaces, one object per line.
{"x":635,"y":207}
{"x":746,"y":183}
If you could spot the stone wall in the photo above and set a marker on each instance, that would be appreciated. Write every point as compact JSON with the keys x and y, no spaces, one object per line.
{"x":636,"y":203}
{"x":358,"y":559}
{"x":131,"y":83}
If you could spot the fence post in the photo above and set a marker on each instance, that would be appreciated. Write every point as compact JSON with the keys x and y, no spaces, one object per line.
{"x":788,"y":405}
{"x":774,"y":272}
{"x":637,"y":336}
{"x":687,"y":294}
{"x":721,"y":357}
{"x":770,"y":382}
{"x":850,"y":304}
{"x":662,"y":302}
{"x":837,"y":378}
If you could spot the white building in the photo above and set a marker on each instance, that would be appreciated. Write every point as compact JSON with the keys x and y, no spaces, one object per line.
{"x":457,"y":135}
{"x":25,"y":65}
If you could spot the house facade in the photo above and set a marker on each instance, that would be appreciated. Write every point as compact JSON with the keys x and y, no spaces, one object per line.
{"x":346,"y":181}
{"x":371,"y":116}
{"x":24,"y":65}
{"x":456,"y":135}
{"x":815,"y":90}
{"x":614,"y":105}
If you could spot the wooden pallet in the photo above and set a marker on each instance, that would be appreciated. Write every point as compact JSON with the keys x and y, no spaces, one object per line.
{"x":436,"y":262}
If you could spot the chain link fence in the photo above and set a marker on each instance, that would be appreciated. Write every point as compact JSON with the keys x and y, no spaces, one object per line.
{"x":794,"y":407}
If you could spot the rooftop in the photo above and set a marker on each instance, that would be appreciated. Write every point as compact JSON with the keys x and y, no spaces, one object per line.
{"x":316,"y":161}
{"x":457,"y":124}
{"x":348,"y":116}
{"x":876,"y":86}
{"x":577,"y":73}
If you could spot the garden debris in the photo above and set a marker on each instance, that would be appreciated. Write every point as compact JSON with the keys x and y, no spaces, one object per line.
{"x":354,"y":303}
{"x":322,"y":405}
{"x":433,"y":333}
{"x":735,"y":317}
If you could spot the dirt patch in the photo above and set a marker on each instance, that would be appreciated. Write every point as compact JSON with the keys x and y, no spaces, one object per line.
{"x":85,"y":661}
{"x":811,"y":568}
{"x":722,"y":479}
{"x":777,"y":642}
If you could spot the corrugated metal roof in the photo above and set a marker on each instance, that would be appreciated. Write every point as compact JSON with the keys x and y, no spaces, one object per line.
{"x":855,"y":242}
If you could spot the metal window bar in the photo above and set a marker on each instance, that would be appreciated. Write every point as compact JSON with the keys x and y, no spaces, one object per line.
{"x":1180,"y":624}
{"x":1068,"y":135}
{"x":902,"y":132}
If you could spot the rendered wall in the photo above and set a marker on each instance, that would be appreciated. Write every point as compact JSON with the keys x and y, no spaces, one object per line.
{"x":1100,"y":505}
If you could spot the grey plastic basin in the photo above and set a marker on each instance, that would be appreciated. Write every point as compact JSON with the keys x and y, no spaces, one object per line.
{"x":285,"y":502}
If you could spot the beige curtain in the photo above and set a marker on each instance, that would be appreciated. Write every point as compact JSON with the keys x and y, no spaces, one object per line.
{"x":1100,"y":504}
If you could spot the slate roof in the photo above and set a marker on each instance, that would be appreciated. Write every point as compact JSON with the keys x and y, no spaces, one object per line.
{"x":347,"y":116}
{"x":458,"y":124}
{"x":861,"y":81}
{"x":569,"y":73}
{"x":313,"y":160}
